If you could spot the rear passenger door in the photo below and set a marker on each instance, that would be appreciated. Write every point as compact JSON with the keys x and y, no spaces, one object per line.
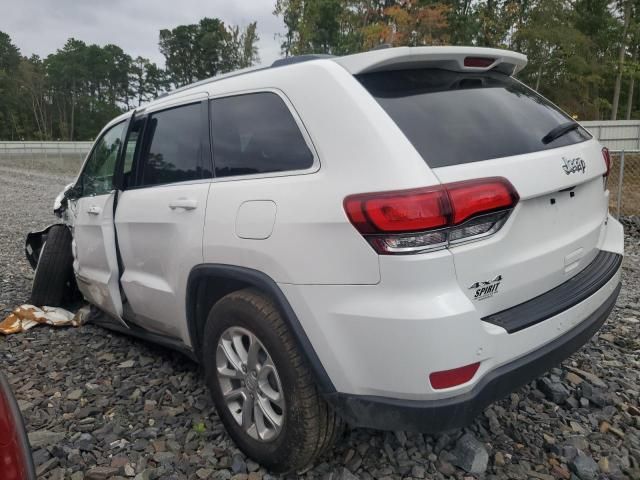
{"x":160,"y":214}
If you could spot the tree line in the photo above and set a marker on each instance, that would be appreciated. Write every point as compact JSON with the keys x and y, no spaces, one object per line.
{"x":583,"y":55}
{"x":72,"y":93}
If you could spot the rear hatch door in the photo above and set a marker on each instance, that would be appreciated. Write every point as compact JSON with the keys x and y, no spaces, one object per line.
{"x":470,"y":125}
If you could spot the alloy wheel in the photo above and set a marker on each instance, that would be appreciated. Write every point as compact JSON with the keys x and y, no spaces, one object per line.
{"x":250,"y":384}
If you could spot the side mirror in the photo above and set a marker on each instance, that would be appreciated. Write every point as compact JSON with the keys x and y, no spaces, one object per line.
{"x":72,"y":191}
{"x":69,"y":192}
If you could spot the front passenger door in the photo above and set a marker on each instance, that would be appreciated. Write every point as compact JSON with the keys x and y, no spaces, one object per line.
{"x":94,"y":244}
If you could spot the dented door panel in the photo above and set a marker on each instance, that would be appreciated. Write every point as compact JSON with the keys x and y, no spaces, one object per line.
{"x":94,"y":246}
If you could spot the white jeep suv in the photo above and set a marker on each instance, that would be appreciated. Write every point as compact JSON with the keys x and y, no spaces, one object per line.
{"x":392,"y":239}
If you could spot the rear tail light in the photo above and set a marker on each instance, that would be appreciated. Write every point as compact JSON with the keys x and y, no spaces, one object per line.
{"x":453,"y":378}
{"x":413,"y":221}
{"x":403,"y":211}
{"x":15,"y":455}
{"x":485,"y":195}
{"x":607,"y":161}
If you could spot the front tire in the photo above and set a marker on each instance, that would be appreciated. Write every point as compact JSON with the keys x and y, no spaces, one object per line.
{"x":53,"y":280}
{"x":253,"y":367}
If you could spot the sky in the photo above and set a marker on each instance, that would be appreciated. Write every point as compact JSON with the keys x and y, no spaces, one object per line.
{"x":43,"y":26}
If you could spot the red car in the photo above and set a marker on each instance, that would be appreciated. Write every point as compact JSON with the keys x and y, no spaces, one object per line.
{"x":16,"y":462}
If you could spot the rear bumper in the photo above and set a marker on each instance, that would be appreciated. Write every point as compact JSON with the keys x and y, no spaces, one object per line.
{"x":442,"y":414}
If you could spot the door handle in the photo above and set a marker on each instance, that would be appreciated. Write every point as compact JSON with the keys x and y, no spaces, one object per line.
{"x":94,"y":210}
{"x":184,"y":203}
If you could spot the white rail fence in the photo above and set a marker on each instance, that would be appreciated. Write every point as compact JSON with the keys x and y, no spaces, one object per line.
{"x":622,"y":137}
{"x":56,"y":157}
{"x":616,"y":135}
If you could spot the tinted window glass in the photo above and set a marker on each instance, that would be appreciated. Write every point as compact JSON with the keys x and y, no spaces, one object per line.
{"x":453,"y":118}
{"x":173,"y":146}
{"x":97,"y":176}
{"x":255,"y":133}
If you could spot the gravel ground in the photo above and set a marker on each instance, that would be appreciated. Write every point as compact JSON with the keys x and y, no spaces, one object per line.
{"x":99,"y":405}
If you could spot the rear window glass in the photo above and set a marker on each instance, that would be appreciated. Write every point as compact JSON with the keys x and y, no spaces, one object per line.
{"x":453,"y":118}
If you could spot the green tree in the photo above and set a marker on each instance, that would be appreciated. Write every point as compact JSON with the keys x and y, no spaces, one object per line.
{"x":74,"y":91}
{"x":33,"y":82}
{"x":203,"y":50}
{"x":463,"y":21}
{"x":179,"y":48}
{"x":323,"y":26}
{"x":626,"y":8}
{"x":146,"y":81}
{"x":9,"y":62}
{"x":248,"y":47}
{"x":291,"y":12}
{"x":632,"y":67}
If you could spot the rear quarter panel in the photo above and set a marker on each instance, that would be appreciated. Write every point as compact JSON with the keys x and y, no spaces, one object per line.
{"x":359,"y":148}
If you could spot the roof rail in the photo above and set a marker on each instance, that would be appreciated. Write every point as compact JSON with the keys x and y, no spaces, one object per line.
{"x":382,"y":46}
{"x":222,"y":76}
{"x":281,"y":62}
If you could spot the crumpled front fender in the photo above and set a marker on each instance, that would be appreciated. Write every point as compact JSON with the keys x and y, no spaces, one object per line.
{"x":34,"y":242}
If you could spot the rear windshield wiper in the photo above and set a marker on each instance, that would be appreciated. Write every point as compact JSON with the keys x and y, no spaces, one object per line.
{"x":559,"y":131}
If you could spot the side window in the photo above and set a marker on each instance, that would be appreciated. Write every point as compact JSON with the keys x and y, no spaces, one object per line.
{"x":173,"y":140}
{"x":255,"y":133}
{"x":97,"y":176}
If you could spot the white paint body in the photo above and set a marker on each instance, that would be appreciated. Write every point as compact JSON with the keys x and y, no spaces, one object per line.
{"x":379,"y":324}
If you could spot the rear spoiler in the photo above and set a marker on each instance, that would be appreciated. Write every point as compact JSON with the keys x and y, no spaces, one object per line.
{"x":460,"y":59}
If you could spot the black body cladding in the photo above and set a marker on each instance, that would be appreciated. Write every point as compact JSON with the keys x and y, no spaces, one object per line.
{"x":561,"y":298}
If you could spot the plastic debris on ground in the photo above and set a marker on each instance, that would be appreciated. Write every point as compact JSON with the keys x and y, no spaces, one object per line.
{"x":27,"y":316}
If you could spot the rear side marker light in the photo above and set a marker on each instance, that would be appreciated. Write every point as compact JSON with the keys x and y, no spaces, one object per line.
{"x":453,"y":378}
{"x":607,"y":161}
{"x":418,"y":220}
{"x":478,"y":62}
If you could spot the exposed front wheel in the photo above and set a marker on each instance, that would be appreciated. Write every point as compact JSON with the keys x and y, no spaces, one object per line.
{"x":53,"y":282}
{"x":261,"y":385}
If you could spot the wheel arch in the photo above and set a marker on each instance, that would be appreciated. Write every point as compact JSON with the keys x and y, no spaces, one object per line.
{"x":208,"y":283}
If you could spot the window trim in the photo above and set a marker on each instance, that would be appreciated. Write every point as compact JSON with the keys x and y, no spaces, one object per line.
{"x":205,"y":142}
{"x":169,"y":102}
{"x":136,"y":116}
{"x":315,"y":166}
{"x":110,"y":126}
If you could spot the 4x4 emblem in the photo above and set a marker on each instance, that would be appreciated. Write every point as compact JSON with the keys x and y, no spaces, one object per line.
{"x":573,"y":165}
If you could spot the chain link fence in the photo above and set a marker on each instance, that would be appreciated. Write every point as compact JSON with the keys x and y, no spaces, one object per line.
{"x":624,"y":184}
{"x":621,"y":137}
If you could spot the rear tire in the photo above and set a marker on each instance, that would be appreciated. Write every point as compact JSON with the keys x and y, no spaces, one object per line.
{"x":309,"y":426}
{"x":53,"y":281}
